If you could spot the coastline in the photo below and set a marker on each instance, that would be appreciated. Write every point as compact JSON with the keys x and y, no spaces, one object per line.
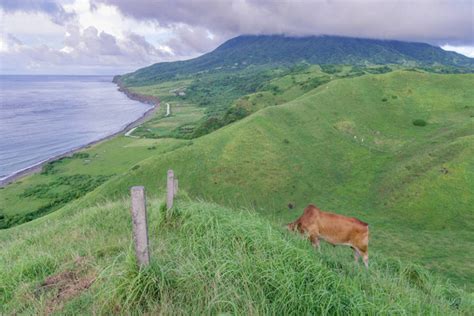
{"x":131,"y":95}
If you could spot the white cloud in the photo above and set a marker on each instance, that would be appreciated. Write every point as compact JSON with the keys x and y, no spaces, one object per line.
{"x":95,"y":38}
{"x":465,"y":50}
{"x":109,"y":19}
{"x":50,"y":7}
{"x":27,"y":23}
{"x":83,"y":51}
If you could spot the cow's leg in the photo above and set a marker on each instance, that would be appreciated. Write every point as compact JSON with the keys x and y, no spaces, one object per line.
{"x":364,"y":252}
{"x":356,"y":254}
{"x":365,"y":257}
{"x":315,"y":241}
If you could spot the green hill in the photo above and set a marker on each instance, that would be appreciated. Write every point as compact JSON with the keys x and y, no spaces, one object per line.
{"x":206,"y":259}
{"x":277,"y":50}
{"x":350,"y":146}
{"x":395,"y":150}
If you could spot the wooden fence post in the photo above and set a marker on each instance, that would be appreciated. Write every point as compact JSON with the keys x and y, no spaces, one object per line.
{"x":140,"y":226}
{"x":170,"y":189}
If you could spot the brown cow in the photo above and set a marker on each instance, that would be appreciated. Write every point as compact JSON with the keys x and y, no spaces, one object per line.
{"x":335,"y":229}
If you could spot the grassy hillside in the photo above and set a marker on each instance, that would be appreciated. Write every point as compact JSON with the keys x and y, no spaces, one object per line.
{"x":198,"y":106}
{"x":206,"y":259}
{"x":207,"y":102}
{"x":354,"y":145}
{"x":350,"y":146}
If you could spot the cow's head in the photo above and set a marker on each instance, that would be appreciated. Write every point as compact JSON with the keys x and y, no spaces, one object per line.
{"x":291,"y":227}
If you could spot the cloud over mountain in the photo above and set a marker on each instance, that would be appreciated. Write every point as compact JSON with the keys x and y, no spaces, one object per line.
{"x":434,"y":21}
{"x":113,"y":36}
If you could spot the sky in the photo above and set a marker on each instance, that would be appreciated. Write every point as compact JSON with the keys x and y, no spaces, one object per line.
{"x":118,"y":36}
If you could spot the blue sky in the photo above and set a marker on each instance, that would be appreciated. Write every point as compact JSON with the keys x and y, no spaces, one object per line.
{"x":117,"y":36}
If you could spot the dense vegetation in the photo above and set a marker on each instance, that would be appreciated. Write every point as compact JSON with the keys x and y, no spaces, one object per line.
{"x":206,"y":259}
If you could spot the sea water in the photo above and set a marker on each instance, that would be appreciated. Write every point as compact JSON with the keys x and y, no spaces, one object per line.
{"x":45,"y":116}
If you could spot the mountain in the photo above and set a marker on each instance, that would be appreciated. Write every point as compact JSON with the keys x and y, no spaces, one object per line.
{"x":278,"y":50}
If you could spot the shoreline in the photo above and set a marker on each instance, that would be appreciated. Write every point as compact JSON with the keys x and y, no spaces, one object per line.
{"x":132,"y":96}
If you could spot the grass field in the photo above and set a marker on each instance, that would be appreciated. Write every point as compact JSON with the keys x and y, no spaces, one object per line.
{"x":181,"y":122}
{"x":350,"y":145}
{"x":206,"y":259}
{"x":70,"y":178}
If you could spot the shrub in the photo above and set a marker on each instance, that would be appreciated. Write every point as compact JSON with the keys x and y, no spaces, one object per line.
{"x":80,"y":156}
{"x":234,"y":114}
{"x":379,"y":70}
{"x":76,"y":186}
{"x":316,"y":82}
{"x":48,"y":169}
{"x":331,"y":69}
{"x":419,"y":122}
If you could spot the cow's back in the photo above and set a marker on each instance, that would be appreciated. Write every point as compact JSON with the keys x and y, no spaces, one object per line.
{"x":339,"y":229}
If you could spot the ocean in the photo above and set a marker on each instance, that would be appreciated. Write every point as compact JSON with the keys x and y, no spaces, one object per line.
{"x":45,"y":116}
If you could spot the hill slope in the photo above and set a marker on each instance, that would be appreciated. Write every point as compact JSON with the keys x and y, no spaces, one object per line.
{"x":206,"y":259}
{"x":274,"y":50}
{"x":350,"y":146}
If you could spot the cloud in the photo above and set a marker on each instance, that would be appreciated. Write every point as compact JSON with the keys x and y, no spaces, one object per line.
{"x":433,"y":21}
{"x":131,"y":49}
{"x":95,"y":39}
{"x":52,"y":8}
{"x":188,"y":41}
{"x":88,"y":51}
{"x":137,"y":45}
{"x":465,"y":50}
{"x":99,"y":43}
{"x":8,"y":42}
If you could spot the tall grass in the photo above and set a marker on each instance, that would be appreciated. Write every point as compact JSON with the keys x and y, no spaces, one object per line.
{"x":210,"y":260}
{"x":206,"y":259}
